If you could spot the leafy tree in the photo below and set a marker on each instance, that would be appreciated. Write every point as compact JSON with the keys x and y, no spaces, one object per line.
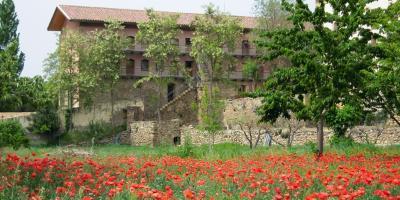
{"x":327,"y":65}
{"x":66,"y":72}
{"x":11,"y":59}
{"x":107,"y":52}
{"x":158,"y":34}
{"x":271,"y":15}
{"x":8,"y":32}
{"x":215,"y":32}
{"x":382,"y":91}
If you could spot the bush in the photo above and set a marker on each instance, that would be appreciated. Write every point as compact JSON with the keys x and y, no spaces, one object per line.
{"x":341,"y":141}
{"x":96,"y":130}
{"x":187,"y":149}
{"x":12,"y":134}
{"x":45,"y":122}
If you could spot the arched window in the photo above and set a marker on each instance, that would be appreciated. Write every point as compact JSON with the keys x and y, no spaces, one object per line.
{"x":144,"y":65}
{"x":130,"y":67}
{"x":171,"y":92}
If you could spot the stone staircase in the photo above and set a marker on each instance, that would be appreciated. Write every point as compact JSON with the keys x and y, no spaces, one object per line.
{"x":176,"y":99}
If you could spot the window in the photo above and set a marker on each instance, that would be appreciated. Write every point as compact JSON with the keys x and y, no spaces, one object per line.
{"x":188,"y":41}
{"x":245,"y":44}
{"x":189,"y":64}
{"x":130,"y":67}
{"x":145,"y":65}
{"x":245,"y":47}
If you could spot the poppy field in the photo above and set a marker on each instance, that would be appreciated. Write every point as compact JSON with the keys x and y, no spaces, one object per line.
{"x":254,"y":176}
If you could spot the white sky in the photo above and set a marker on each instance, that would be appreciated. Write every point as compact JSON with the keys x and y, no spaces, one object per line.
{"x":35,"y":15}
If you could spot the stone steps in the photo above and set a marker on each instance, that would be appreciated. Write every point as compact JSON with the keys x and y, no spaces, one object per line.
{"x":180,"y":96}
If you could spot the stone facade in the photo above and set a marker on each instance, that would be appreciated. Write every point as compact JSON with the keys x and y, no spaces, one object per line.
{"x":183,"y":107}
{"x":143,"y":100}
{"x":145,"y":133}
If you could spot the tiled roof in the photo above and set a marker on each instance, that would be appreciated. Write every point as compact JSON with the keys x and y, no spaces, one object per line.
{"x":97,"y":14}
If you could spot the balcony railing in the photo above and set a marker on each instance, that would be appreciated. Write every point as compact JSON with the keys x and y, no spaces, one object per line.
{"x":187,"y":49}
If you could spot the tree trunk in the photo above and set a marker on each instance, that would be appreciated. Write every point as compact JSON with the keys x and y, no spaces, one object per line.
{"x":320,"y":136}
{"x":69,"y":110}
{"x":112,"y":110}
{"x":158,"y":109}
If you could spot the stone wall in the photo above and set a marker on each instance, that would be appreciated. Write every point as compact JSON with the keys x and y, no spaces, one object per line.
{"x":25,"y":118}
{"x":183,"y":107}
{"x":145,"y":133}
{"x":125,"y":96}
{"x":389,"y":136}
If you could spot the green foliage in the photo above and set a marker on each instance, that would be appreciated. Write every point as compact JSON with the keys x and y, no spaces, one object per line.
{"x":45,"y":122}
{"x":341,"y":141}
{"x":187,"y":149}
{"x":326,"y":64}
{"x":158,"y":35}
{"x":95,"y":130}
{"x":211,"y":109}
{"x":383,"y":80}
{"x":12,"y":134}
{"x":9,"y":37}
{"x":213,"y":31}
{"x":271,"y":15}
{"x":343,"y":118}
{"x":107,"y":52}
{"x":311,"y":147}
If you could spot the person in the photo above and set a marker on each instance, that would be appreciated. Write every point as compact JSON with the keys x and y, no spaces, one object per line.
{"x":268,"y":139}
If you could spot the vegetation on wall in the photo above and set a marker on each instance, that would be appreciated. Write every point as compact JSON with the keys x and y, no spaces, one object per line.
{"x":214,"y":31}
{"x":159,"y":36}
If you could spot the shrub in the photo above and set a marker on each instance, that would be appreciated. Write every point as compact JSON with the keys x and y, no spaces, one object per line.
{"x":97,"y":130}
{"x":45,"y":122}
{"x":341,"y":141}
{"x":12,"y":134}
{"x":187,"y":149}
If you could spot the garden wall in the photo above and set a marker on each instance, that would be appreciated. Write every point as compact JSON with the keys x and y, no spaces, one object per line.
{"x":145,"y":133}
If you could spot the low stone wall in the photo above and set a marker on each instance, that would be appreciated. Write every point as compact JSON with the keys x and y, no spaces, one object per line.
{"x":145,"y":133}
{"x":25,"y":118}
{"x":362,"y":134}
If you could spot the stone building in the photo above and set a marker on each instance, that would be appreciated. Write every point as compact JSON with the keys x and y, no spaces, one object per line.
{"x":137,"y":104}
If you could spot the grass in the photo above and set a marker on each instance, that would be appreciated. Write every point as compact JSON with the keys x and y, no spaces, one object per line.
{"x":220,"y":151}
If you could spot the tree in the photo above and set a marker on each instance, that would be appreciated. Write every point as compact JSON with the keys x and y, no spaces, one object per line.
{"x":271,"y":15}
{"x":66,"y":72}
{"x":158,"y":34}
{"x":241,"y":113}
{"x":11,"y":59}
{"x":327,"y":65}
{"x":383,"y":81}
{"x":215,"y":32}
{"x":8,"y":32}
{"x":107,"y":52}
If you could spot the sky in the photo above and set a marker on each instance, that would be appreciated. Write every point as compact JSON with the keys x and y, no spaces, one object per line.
{"x":34,"y":16}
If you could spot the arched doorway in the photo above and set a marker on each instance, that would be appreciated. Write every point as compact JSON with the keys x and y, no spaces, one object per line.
{"x":171,"y":92}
